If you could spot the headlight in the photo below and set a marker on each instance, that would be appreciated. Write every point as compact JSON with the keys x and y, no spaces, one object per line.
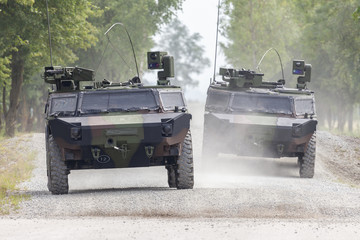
{"x":167,"y":129}
{"x":75,"y":133}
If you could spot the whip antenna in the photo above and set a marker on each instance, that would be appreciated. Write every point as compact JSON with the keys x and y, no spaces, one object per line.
{"x":132,"y":47}
{"x":262,"y":58}
{"x":48,"y":20}
{"x":216,"y":42}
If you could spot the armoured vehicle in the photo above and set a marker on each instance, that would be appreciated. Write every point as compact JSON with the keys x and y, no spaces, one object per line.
{"x":247,"y":116}
{"x":116,"y":125}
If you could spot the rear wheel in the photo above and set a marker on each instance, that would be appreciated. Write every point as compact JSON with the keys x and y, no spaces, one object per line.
{"x":307,"y":162}
{"x":184,"y":174}
{"x":56,"y":169}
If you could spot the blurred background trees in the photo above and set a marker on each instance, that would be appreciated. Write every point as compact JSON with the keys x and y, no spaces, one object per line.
{"x":324,"y":33}
{"x":188,"y":54}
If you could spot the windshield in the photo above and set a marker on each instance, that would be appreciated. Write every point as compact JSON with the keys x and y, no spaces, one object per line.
{"x":122,"y":100}
{"x":261,"y":103}
{"x":171,"y":100}
{"x":62,"y":106}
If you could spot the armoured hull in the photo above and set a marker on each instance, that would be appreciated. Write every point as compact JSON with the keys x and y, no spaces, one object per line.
{"x":128,"y":140}
{"x":257,"y":135}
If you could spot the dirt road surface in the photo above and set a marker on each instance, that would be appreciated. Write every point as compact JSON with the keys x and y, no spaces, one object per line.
{"x":239,"y":198}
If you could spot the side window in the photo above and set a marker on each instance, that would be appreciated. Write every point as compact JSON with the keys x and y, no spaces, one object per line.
{"x":63,"y":104}
{"x":171,"y":100}
{"x":217,"y":100}
{"x":304,"y":105}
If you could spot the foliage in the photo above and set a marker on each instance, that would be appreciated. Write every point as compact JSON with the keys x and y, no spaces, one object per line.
{"x":25,"y":45}
{"x":76,"y":28}
{"x":142,"y":19}
{"x":252,"y":27}
{"x":331,"y":43}
{"x":188,"y":54}
{"x":324,"y":33}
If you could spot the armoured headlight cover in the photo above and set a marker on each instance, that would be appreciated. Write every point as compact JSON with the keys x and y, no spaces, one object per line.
{"x":296,"y":129}
{"x":75,"y":133}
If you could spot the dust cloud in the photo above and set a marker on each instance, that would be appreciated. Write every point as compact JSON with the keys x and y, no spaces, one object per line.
{"x":224,"y":169}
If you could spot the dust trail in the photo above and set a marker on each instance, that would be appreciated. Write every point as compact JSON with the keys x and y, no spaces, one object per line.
{"x":224,"y":169}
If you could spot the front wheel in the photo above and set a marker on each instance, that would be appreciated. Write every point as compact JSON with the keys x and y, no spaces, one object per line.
{"x":56,"y":169}
{"x":184,"y":174}
{"x":307,"y":162}
{"x":171,"y":176}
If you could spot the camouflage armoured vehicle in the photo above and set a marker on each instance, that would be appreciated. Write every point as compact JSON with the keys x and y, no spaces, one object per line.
{"x":116,"y":125}
{"x":249,"y":117}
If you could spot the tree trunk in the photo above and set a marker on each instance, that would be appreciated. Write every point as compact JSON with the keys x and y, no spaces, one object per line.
{"x":0,"y":120}
{"x":351,"y":117}
{"x":17,"y":78}
{"x":341,"y":118}
{"x":24,"y":112}
{"x":4,"y":101}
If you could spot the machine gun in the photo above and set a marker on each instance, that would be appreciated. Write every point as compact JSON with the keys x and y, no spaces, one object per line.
{"x":67,"y":78}
{"x":241,"y":78}
{"x":160,"y":60}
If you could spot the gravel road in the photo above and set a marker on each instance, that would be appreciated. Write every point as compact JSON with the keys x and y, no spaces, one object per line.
{"x":242,"y":198}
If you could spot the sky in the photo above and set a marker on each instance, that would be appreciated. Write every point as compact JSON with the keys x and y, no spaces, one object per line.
{"x":200,"y":16}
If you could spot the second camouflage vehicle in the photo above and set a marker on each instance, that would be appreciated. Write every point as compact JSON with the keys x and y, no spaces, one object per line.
{"x":117,"y":125}
{"x":249,"y":117}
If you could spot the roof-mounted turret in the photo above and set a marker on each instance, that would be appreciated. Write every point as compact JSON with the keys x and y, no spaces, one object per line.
{"x":67,"y":78}
{"x":241,"y":78}
{"x":247,"y":78}
{"x":160,"y":60}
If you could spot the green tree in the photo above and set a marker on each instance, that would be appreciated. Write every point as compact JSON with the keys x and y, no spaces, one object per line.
{"x":24,"y":36}
{"x":142,"y":18}
{"x":331,"y":43}
{"x":252,"y":27}
{"x":188,"y":54}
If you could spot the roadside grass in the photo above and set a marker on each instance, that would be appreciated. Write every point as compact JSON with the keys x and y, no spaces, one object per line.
{"x":16,"y":165}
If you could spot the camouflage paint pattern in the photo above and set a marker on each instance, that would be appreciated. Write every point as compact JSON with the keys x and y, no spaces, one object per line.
{"x":121,"y":139}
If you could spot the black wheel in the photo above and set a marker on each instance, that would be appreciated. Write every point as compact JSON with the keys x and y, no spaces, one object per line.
{"x":184,"y":174}
{"x":307,"y":162}
{"x":171,"y":176}
{"x":56,"y":169}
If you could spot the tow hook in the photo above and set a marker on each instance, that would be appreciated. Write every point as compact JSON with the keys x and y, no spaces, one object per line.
{"x":280,"y":149}
{"x":123,"y":149}
{"x":96,"y":153}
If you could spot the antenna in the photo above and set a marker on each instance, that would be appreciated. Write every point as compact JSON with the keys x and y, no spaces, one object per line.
{"x":216,"y":43}
{"x":48,"y":20}
{"x":262,"y":58}
{"x":132,"y":47}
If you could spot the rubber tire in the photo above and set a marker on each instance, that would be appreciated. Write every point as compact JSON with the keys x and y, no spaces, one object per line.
{"x":171,"y":176}
{"x":184,"y":174}
{"x":57,"y":169}
{"x":307,"y":163}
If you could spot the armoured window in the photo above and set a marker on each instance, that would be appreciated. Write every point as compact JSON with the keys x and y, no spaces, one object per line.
{"x":63,"y":104}
{"x":171,"y":100}
{"x":118,"y":101}
{"x":304,"y":105}
{"x":261,"y":103}
{"x":217,"y":100}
